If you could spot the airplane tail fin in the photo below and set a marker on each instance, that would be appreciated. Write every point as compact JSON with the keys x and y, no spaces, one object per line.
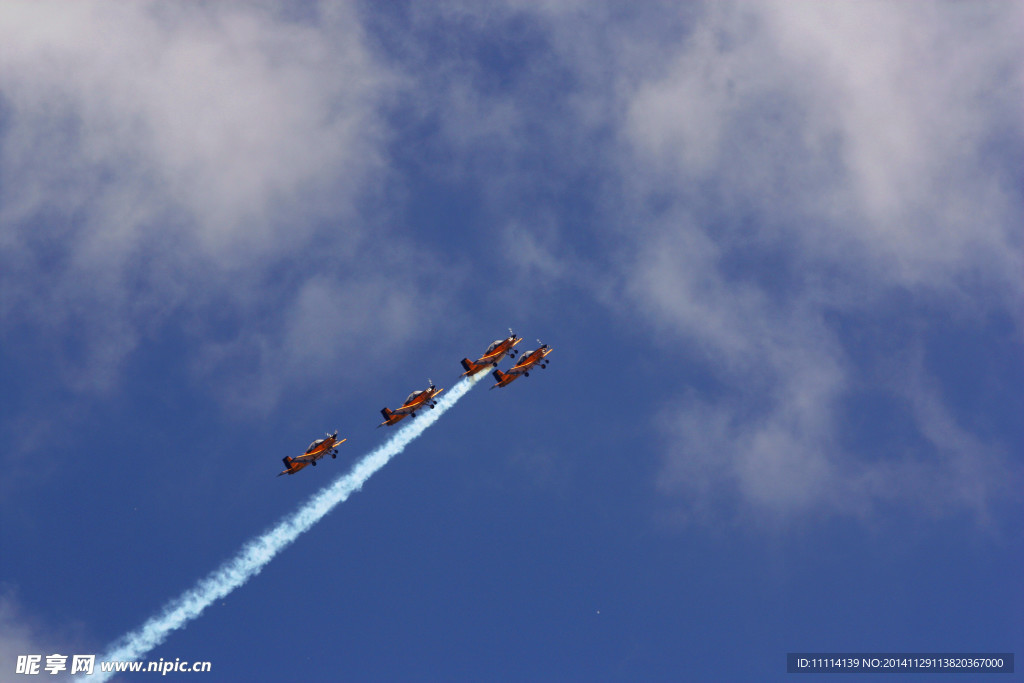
{"x":287,"y":465}
{"x":467,"y":365}
{"x":500,"y":376}
{"x":386,"y":413}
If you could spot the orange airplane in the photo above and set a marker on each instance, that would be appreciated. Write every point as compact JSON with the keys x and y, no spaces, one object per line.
{"x":415,"y":401}
{"x":526,"y":362}
{"x":498,"y":349}
{"x":316,"y":450}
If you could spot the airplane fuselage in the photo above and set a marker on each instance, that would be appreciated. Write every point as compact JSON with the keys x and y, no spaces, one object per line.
{"x":500,"y":351}
{"x":523,"y":367}
{"x":529,"y":360}
{"x":317,"y":450}
{"x":412,"y":404}
{"x":491,"y":357}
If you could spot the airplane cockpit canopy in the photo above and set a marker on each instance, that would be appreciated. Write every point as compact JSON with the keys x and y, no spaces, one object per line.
{"x":412,"y":396}
{"x":314,"y":445}
{"x":494,"y":345}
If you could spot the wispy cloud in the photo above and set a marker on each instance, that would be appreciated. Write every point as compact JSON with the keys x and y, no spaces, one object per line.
{"x":172,"y":165}
{"x":873,"y":134}
{"x":819,"y":158}
{"x":22,"y":634}
{"x":750,"y":181}
{"x":765,"y":172}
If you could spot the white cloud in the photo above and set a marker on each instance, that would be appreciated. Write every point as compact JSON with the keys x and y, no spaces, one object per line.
{"x":870,"y":132}
{"x":16,"y":637}
{"x":330,"y":331}
{"x":767,"y":168}
{"x":531,"y":251}
{"x":849,"y":148}
{"x":165,"y":159}
{"x":782,"y":163}
{"x":21,"y":634}
{"x":763,"y":165}
{"x":217,"y":112}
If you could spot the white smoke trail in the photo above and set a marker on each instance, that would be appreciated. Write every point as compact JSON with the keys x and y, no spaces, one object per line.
{"x":261,"y":550}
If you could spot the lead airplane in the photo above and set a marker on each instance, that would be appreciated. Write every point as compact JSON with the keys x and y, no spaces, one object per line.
{"x":415,"y":401}
{"x":316,"y":450}
{"x":526,"y":362}
{"x":498,"y":349}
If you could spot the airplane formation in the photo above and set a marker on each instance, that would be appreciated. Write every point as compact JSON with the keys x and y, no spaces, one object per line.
{"x":424,"y":398}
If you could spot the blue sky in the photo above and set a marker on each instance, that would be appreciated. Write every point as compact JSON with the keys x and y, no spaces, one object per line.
{"x":776,"y":249}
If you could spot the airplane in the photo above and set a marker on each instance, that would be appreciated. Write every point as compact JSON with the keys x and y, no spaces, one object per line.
{"x":527,"y":361}
{"x":498,"y":349}
{"x":316,"y":450}
{"x":413,"y":402}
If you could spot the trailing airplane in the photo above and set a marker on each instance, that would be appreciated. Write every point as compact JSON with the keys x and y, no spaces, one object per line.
{"x":526,"y":362}
{"x":316,"y":450}
{"x":498,"y":349}
{"x":415,"y":401}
